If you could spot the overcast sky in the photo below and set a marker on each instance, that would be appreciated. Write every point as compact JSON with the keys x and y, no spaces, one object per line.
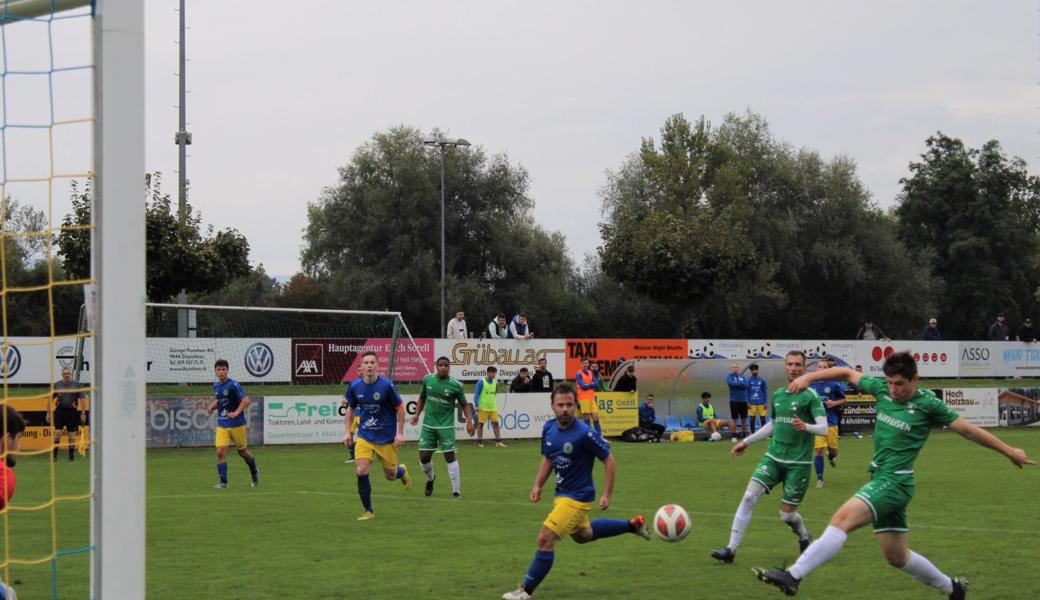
{"x":281,"y":94}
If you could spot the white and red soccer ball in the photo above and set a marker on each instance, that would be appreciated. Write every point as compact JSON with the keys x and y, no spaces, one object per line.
{"x":672,"y":523}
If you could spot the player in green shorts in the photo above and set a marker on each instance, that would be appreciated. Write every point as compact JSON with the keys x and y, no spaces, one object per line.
{"x":905,"y":417}
{"x":438,"y":396}
{"x":787,"y":461}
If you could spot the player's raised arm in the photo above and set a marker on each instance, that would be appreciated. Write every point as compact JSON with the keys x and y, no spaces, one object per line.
{"x":544,"y":469}
{"x":609,"y":471}
{"x":980,"y":436}
{"x":800,"y":384}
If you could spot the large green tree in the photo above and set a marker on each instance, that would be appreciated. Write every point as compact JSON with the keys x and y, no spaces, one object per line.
{"x":374,"y":238}
{"x":978,"y":212}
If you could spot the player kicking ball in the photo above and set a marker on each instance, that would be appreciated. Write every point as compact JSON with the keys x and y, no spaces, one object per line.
{"x":571,"y":447}
{"x":438,"y":396}
{"x":905,"y":417}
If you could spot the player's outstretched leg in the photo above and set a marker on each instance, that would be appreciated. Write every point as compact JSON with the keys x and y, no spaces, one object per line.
{"x":254,"y":472}
{"x":741,"y":520}
{"x":540,"y":566}
{"x":605,"y":528}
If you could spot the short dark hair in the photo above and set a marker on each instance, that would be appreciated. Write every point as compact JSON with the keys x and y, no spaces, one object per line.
{"x":796,"y":353}
{"x":440,"y":358}
{"x":220,"y":363}
{"x":524,"y":370}
{"x":753,"y":366}
{"x":14,"y":424}
{"x":631,"y":368}
{"x":563,"y":388}
{"x":705,"y":395}
{"x":649,"y":396}
{"x":370,"y":353}
{"x":900,"y":363}
{"x":500,"y":316}
{"x":492,"y":369}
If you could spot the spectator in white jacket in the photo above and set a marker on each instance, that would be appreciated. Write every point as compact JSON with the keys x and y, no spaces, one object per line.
{"x":457,"y":327}
{"x":497,"y":328}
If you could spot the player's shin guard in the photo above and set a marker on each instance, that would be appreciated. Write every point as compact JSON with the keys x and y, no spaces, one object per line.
{"x":742,"y":518}
{"x":540,"y":566}
{"x":604,"y":528}
{"x":821,"y":551}
{"x":455,"y":476}
{"x":795,"y":522}
{"x":428,"y":469}
{"x":252,"y":465}
{"x":818,"y":463}
{"x":222,"y":472}
{"x":364,"y":490}
{"x":922,"y":569}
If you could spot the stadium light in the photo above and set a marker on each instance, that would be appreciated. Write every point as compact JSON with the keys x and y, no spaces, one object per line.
{"x":442,"y":142}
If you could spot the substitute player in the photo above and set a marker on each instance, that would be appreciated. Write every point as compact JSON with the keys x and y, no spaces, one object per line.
{"x":905,"y":417}
{"x":570,"y":448}
{"x":833,"y":395}
{"x":230,"y":401}
{"x":588,"y":385}
{"x":786,"y":461}
{"x":381,"y":432}
{"x":69,"y":411}
{"x":487,"y":407}
{"x":758,"y":399}
{"x":438,"y":396}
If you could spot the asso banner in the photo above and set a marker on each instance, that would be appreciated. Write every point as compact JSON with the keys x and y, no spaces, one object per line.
{"x":190,"y":360}
{"x":618,"y":411}
{"x":320,"y":419}
{"x":859,"y":414}
{"x":609,"y":354}
{"x":185,"y":422}
{"x":324,"y":360}
{"x":977,"y":405}
{"x":471,"y":358}
{"x":37,"y":434}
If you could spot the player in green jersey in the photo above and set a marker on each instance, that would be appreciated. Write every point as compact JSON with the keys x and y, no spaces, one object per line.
{"x":438,"y":396}
{"x":905,"y":417}
{"x":797,"y":419}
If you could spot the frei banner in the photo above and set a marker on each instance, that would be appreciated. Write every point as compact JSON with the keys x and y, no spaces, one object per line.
{"x":324,"y":360}
{"x":471,"y":358}
{"x":185,"y":422}
{"x":609,"y":353}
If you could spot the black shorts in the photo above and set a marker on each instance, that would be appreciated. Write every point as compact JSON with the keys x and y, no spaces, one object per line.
{"x":738,"y":410}
{"x":67,"y":420}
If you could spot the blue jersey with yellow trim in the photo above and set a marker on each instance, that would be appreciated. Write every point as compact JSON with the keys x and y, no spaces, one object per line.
{"x":572,"y":452}
{"x":376,"y":405}
{"x":830,"y":390}
{"x":229,"y":396}
{"x":758,"y":392}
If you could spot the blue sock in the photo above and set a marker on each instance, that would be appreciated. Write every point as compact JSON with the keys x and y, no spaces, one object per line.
{"x":599,"y":429}
{"x":222,"y":472}
{"x":364,"y":489}
{"x":539,"y":568}
{"x":400,"y":472}
{"x":604,"y":528}
{"x":819,"y":467}
{"x":252,"y":466}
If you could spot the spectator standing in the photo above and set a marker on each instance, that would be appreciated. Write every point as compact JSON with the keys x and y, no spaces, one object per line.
{"x":1025,"y":332}
{"x":457,"y":327}
{"x":521,"y":384}
{"x":999,"y":331}
{"x":498,"y":329}
{"x":627,"y":381}
{"x":601,"y":384}
{"x":648,"y":418}
{"x":543,"y":379}
{"x":518,"y":328}
{"x":738,"y":398}
{"x":931,"y":332}
{"x":870,"y":332}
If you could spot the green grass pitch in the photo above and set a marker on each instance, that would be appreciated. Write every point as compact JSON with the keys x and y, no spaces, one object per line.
{"x":296,"y":536}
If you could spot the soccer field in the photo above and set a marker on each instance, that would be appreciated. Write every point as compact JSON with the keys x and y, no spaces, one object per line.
{"x":296,"y":536}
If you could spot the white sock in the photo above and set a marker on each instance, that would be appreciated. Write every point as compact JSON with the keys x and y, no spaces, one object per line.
{"x":795,"y":522}
{"x":428,"y":469}
{"x":742,"y":518}
{"x":455,"y":477}
{"x":821,"y":551}
{"x":924,"y":571}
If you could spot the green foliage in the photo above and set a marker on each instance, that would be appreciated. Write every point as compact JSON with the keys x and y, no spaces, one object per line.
{"x":374,"y":238}
{"x":977,"y":212}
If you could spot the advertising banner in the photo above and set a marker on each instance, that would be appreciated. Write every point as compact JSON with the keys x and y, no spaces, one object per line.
{"x":618,"y":411}
{"x":1017,"y":359}
{"x":934,"y":359}
{"x":611,"y":353}
{"x":190,"y":360}
{"x":29,"y":360}
{"x":844,"y":351}
{"x":184,"y":422}
{"x":37,"y":434}
{"x":977,"y":405}
{"x":324,"y":360}
{"x":859,"y":414}
{"x":471,"y":358}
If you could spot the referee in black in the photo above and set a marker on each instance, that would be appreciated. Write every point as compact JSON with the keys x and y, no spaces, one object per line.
{"x":69,"y":411}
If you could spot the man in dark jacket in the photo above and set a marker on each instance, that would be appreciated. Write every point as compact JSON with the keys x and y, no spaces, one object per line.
{"x":521,"y":384}
{"x":627,"y":381}
{"x":648,"y":417}
{"x":543,"y":380}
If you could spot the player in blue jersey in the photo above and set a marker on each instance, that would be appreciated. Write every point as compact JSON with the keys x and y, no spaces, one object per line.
{"x":230,"y":401}
{"x":758,"y":399}
{"x":381,"y":430}
{"x":738,"y":401}
{"x":570,"y":448}
{"x":833,"y":395}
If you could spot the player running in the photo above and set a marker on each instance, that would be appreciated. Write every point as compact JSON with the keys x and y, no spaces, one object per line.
{"x":833,"y":395}
{"x":230,"y":401}
{"x":438,"y":396}
{"x":376,"y":401}
{"x":905,"y":417}
{"x":570,"y":447}
{"x":786,"y":461}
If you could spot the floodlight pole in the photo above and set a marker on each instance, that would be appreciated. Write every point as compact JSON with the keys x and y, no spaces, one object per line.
{"x":442,"y":142}
{"x":183,"y":139}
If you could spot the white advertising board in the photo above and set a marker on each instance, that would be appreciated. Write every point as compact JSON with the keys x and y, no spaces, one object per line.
{"x":471,"y":358}
{"x":977,"y":405}
{"x":190,"y":360}
{"x":29,"y":360}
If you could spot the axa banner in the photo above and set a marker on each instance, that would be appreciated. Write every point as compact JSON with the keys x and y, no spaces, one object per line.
{"x":471,"y":358}
{"x":977,"y":405}
{"x":190,"y":360}
{"x":934,"y":359}
{"x":609,"y":353}
{"x":320,"y":419}
{"x":185,"y":422}
{"x":325,"y":360}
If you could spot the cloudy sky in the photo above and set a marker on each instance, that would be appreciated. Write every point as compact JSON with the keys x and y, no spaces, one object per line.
{"x":281,"y":94}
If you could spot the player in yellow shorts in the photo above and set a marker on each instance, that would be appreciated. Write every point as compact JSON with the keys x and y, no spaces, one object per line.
{"x":343,"y":411}
{"x":487,"y":407}
{"x":833,"y":395}
{"x":571,"y":448}
{"x":230,"y":402}
{"x":588,"y":384}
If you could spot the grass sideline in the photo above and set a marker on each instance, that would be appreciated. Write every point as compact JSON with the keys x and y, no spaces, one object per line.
{"x":296,"y":535}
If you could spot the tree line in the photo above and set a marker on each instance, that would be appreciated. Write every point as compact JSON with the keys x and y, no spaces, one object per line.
{"x":707,"y":230}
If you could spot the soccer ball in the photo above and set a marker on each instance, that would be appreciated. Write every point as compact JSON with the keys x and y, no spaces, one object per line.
{"x":715,"y":436}
{"x":672,"y":523}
